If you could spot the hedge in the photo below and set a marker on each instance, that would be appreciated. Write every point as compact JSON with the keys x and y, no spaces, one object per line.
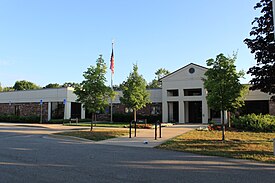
{"x":256,"y":123}
{"x":24,"y":119}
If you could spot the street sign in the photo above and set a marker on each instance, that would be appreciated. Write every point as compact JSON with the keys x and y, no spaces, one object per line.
{"x":64,"y":101}
{"x":41,"y":102}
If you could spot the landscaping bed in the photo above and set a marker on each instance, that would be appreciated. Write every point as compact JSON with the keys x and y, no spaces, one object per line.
{"x":96,"y":134}
{"x":240,"y":145}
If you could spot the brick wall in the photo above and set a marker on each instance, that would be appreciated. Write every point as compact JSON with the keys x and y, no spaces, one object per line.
{"x":120,"y":108}
{"x":25,"y":109}
{"x":6,"y":109}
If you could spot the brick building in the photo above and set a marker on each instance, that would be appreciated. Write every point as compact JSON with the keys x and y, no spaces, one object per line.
{"x":182,"y":99}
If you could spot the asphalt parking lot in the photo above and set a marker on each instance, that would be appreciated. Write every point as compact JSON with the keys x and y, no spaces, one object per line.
{"x":29,"y":154}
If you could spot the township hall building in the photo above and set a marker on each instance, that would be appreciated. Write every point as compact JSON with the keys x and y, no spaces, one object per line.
{"x":181,"y":99}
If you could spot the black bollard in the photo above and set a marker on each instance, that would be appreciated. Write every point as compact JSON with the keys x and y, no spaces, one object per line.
{"x":130,"y":130}
{"x":156,"y":128}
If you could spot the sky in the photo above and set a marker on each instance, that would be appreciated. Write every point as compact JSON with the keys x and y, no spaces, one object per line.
{"x":55,"y":41}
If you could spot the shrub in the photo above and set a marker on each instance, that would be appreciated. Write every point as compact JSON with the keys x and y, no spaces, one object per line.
{"x":256,"y":123}
{"x":58,"y":121}
{"x":24,"y":119}
{"x":61,"y":121}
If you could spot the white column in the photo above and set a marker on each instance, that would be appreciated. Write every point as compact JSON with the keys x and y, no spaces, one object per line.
{"x":224,"y":117}
{"x":67,"y":110}
{"x":164,"y":111}
{"x":181,"y":112}
{"x":186,"y":106}
{"x":204,"y":111}
{"x":49,"y":111}
{"x":82,"y":112}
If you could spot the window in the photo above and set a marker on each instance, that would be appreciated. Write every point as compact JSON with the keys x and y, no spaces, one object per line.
{"x":191,"y":70}
{"x":57,"y":111}
{"x":172,"y":93}
{"x":155,"y":110}
{"x":75,"y":110}
{"x":192,"y":92}
{"x":17,"y":110}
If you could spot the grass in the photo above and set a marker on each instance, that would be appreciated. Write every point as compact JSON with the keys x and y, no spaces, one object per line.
{"x":240,"y":145}
{"x":96,"y":134}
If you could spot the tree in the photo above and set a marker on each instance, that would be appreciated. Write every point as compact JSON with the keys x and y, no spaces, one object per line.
{"x":158,"y":74}
{"x":223,"y":85}
{"x":92,"y":92}
{"x":25,"y":85}
{"x":1,"y":89}
{"x":117,"y":87}
{"x":262,"y":44}
{"x":52,"y":85}
{"x":70,"y":84}
{"x":7,"y":89}
{"x":135,"y":95}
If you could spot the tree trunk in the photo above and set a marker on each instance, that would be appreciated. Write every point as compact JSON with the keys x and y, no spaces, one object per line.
{"x":92,"y":122}
{"x":135,"y":115}
{"x":229,"y":119}
{"x":223,"y":127}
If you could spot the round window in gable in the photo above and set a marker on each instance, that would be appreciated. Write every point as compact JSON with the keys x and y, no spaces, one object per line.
{"x":191,"y":70}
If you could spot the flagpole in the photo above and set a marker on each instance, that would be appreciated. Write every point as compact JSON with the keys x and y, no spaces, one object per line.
{"x":112,"y":87}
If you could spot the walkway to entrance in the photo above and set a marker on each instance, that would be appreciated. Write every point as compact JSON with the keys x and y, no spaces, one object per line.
{"x":148,"y":135}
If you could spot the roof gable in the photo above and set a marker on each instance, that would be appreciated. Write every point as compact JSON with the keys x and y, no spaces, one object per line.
{"x":186,"y":72}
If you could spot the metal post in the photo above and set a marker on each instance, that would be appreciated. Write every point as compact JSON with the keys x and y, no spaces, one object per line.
{"x":135,"y":128}
{"x":156,"y":126}
{"x":41,"y":111}
{"x":159,"y":129}
{"x":130,"y":130}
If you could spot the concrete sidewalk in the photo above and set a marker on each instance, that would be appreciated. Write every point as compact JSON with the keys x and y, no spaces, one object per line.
{"x":143,"y":135}
{"x":148,"y":135}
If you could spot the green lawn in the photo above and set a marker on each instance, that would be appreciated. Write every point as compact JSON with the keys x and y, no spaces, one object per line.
{"x":96,"y":134}
{"x":240,"y":145}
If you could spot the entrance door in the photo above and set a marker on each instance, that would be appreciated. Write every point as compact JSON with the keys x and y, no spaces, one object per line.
{"x":173,"y":111}
{"x":195,"y":112}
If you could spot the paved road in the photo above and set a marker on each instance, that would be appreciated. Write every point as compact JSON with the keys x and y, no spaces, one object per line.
{"x":28,"y":154}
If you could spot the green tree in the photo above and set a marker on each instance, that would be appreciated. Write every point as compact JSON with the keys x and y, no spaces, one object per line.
{"x":1,"y":89}
{"x":262,"y":45}
{"x":135,"y":95}
{"x":52,"y":85}
{"x":160,"y":73}
{"x":7,"y":89}
{"x":223,"y":85}
{"x":117,"y":87}
{"x":70,"y":84}
{"x":25,"y":85}
{"x":92,"y":92}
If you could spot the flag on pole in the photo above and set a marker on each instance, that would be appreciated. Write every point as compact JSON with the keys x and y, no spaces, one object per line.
{"x":112,"y":60}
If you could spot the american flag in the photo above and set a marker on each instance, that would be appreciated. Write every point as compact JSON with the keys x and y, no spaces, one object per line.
{"x":112,"y":60}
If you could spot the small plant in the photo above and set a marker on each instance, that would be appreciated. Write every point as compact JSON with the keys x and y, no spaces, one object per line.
{"x":213,"y":126}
